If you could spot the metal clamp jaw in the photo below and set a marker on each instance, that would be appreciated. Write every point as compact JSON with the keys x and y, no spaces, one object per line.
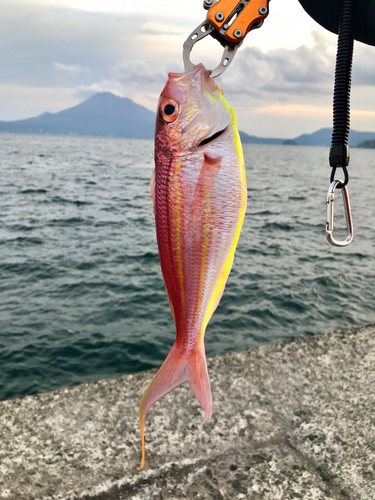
{"x":200,"y":32}
{"x":228,"y":21}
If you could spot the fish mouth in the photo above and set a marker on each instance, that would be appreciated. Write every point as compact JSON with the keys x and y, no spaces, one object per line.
{"x":212,"y":137}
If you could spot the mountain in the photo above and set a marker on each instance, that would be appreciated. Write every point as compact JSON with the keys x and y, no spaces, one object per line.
{"x":367,"y":144}
{"x":107,"y":115}
{"x":103,"y":114}
{"x":323,"y":137}
{"x":252,"y":139}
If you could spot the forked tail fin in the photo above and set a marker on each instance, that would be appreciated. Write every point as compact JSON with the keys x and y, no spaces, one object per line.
{"x":177,"y":369}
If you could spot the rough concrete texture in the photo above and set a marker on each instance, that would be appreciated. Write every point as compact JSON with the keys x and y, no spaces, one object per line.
{"x":292,"y":420}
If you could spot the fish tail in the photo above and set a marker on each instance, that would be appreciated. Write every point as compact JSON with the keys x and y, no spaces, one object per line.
{"x":177,"y":369}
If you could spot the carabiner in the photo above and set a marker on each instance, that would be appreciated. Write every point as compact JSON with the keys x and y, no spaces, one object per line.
{"x":348,"y":215}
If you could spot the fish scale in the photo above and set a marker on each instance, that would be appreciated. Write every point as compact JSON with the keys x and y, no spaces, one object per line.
{"x":199,"y":195}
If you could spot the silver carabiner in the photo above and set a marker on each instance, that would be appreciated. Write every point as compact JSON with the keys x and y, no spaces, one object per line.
{"x":348,"y":215}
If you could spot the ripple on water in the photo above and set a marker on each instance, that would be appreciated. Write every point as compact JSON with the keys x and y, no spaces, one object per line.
{"x":81,"y":293}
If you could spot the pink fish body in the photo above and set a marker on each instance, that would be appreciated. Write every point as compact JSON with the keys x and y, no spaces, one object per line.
{"x":199,"y":195}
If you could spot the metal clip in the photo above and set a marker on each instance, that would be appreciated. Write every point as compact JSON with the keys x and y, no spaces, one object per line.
{"x":228,"y":21}
{"x":348,"y":215}
{"x":200,"y":32}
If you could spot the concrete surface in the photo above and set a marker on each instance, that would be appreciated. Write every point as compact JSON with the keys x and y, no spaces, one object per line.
{"x":292,"y":420}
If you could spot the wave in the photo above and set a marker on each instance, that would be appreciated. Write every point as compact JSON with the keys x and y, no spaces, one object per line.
{"x":81,"y":291}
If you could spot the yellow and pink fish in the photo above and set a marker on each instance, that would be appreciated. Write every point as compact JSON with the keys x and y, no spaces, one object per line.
{"x":199,"y":195}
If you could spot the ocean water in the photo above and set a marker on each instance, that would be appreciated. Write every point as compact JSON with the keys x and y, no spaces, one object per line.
{"x":81,"y":292}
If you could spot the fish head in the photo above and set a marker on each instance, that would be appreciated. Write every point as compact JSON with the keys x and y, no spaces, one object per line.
{"x":191,"y":110}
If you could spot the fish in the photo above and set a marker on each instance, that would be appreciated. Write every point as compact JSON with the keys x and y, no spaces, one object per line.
{"x":199,"y":195}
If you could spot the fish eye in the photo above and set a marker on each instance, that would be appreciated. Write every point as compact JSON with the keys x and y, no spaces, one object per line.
{"x":169,"y":110}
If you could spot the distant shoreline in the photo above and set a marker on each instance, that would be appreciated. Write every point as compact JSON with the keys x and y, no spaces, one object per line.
{"x":107,"y":115}
{"x":262,"y":142}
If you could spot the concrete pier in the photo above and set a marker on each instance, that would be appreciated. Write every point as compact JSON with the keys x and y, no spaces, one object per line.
{"x":291,"y":420}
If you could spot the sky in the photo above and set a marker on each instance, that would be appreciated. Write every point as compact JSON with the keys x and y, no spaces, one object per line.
{"x":56,"y":53}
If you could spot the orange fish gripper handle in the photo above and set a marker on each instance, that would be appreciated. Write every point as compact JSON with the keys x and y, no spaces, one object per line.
{"x":233,"y":19}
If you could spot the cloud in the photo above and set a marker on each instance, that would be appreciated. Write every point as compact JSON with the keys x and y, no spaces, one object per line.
{"x":131,"y":78}
{"x":132,"y":72}
{"x":281,"y":90}
{"x":20,"y":101}
{"x":303,"y":75}
{"x":126,"y":75}
{"x":80,"y":52}
{"x":363,"y":65}
{"x":71,"y":69}
{"x":282,"y":74}
{"x":162,"y":29}
{"x":34,"y":37}
{"x":85,"y":91}
{"x":172,"y":8}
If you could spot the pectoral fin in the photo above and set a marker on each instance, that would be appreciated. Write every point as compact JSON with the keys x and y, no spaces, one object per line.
{"x":206,"y":180}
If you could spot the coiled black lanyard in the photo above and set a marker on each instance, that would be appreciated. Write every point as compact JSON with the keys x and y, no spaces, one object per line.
{"x":339,"y":153}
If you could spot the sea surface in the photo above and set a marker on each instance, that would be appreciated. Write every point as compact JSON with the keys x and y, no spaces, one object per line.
{"x":81,"y":292}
